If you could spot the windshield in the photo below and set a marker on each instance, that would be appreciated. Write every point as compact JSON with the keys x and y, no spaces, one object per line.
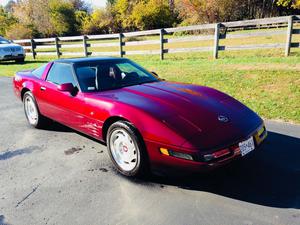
{"x":4,"y":41}
{"x":108,"y":75}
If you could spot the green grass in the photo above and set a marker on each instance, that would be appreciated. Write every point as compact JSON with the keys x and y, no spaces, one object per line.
{"x":269,"y":85}
{"x":265,"y":80}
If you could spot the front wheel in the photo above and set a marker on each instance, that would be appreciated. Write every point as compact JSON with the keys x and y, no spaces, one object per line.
{"x":32,"y":112}
{"x":126,"y":149}
{"x":21,"y":60}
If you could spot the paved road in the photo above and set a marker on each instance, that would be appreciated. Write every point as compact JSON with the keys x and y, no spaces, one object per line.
{"x":57,"y":176}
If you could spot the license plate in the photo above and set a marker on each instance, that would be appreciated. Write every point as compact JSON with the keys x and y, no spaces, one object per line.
{"x":247,"y":146}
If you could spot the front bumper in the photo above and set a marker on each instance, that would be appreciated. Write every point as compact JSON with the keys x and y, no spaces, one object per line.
{"x":9,"y":57}
{"x":161,"y":161}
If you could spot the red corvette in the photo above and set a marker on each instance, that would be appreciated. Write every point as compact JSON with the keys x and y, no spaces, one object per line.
{"x":145,"y":121}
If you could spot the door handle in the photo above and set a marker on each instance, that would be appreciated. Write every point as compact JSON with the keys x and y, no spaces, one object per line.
{"x":43,"y":89}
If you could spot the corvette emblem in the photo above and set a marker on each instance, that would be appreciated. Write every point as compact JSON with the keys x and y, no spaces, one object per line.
{"x":223,"y":119}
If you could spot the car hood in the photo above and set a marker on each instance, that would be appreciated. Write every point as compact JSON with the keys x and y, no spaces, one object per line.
{"x":192,"y":111}
{"x":9,"y":45}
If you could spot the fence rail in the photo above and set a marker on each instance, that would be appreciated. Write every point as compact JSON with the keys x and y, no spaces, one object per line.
{"x":219,"y":31}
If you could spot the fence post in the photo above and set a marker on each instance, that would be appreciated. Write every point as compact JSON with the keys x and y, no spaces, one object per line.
{"x":33,"y":46}
{"x":216,"y":40}
{"x":162,"y":31}
{"x":289,"y":36}
{"x":57,"y":46}
{"x":121,"y":44}
{"x":85,"y":50}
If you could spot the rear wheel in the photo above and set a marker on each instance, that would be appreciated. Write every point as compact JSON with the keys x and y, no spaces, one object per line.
{"x":126,"y":149}
{"x":32,"y":112}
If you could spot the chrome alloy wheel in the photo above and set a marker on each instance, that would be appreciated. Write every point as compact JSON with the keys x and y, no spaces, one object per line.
{"x":124,"y":150}
{"x":31,"y":110}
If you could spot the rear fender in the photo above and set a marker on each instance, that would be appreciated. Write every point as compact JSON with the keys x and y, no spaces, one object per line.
{"x":21,"y":84}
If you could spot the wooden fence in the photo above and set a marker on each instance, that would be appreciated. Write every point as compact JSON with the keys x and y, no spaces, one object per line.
{"x":217,"y":32}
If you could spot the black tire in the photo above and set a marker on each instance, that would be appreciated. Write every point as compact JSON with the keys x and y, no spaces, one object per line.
{"x":41,"y":121}
{"x":142,"y":165}
{"x":20,"y":60}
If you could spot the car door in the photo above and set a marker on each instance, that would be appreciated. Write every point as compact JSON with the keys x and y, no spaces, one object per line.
{"x":64,"y":107}
{"x":93,"y":110}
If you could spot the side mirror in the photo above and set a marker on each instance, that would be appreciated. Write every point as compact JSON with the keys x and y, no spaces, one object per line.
{"x":155,"y":74}
{"x":67,"y":87}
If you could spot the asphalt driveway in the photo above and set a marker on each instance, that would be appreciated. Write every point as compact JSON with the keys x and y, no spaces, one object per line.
{"x":58,"y":176}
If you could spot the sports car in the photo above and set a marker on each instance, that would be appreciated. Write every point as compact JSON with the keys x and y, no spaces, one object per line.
{"x":146,"y":122}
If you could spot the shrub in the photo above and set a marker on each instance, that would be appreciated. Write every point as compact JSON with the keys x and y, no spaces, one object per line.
{"x":19,"y":31}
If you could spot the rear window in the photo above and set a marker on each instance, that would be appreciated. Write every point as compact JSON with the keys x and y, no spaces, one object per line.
{"x":39,"y":71}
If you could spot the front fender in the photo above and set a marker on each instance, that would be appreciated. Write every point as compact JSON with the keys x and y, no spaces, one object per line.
{"x":151,"y":127}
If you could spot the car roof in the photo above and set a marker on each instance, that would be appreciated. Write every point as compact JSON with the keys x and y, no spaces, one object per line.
{"x":87,"y":60}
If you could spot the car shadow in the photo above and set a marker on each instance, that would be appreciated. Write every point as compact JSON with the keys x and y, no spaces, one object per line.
{"x":270,"y":176}
{"x":58,"y":127}
{"x":54,"y":126}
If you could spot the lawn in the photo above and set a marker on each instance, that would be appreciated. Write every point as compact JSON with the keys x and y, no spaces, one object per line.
{"x":265,"y":80}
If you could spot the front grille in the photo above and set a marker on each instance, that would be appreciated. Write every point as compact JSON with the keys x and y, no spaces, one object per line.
{"x":15,"y":49}
{"x":6,"y":49}
{"x":12,"y":49}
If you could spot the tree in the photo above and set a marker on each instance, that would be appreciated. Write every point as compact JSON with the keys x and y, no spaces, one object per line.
{"x":9,"y":6}
{"x":289,"y":3}
{"x":110,"y":2}
{"x":210,"y":11}
{"x":143,"y":14}
{"x":99,"y":22}
{"x":80,"y":5}
{"x":80,"y":17}
{"x":122,"y":10}
{"x":62,"y":17}
{"x":6,"y":21}
{"x":152,"y":14}
{"x":19,"y":31}
{"x":46,"y":18}
{"x":35,"y":15}
{"x":202,"y":11}
{"x":49,"y":17}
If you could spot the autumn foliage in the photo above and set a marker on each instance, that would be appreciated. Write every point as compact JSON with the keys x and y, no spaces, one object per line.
{"x":45,"y":18}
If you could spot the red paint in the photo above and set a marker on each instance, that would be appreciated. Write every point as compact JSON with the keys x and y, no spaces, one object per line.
{"x":68,"y":87}
{"x":176,"y":116}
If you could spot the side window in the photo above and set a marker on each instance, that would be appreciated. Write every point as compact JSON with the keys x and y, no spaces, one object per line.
{"x":87,"y":77}
{"x":61,"y":73}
